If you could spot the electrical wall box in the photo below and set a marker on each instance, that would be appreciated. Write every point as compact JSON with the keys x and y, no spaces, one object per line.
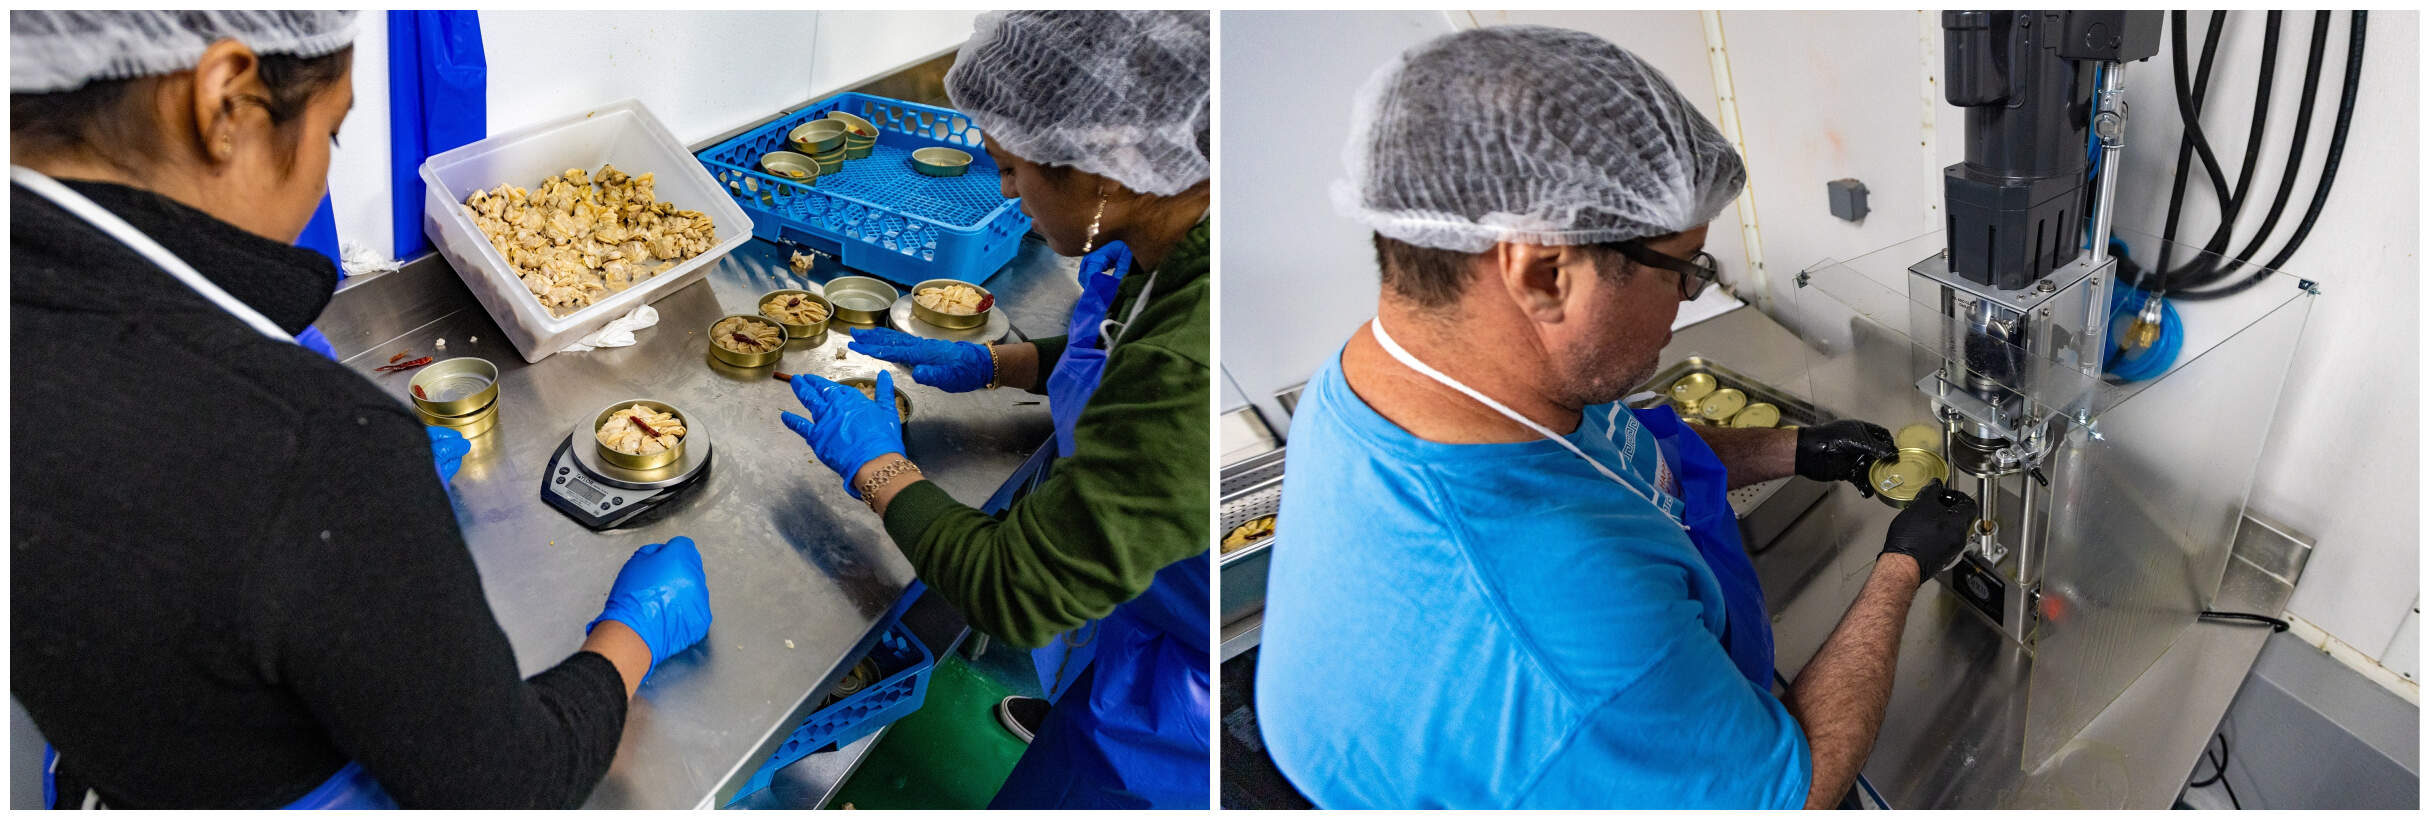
{"x":1847,"y":199}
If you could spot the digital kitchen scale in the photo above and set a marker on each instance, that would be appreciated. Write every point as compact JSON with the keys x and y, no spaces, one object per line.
{"x":603,"y":496}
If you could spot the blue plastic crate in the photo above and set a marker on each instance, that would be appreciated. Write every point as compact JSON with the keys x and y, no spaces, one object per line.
{"x":903,"y":688}
{"x":877,"y":214}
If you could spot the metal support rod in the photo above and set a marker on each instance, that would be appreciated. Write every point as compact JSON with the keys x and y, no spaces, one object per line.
{"x":1987,"y":541}
{"x":2109,"y":124}
{"x":2029,"y":554}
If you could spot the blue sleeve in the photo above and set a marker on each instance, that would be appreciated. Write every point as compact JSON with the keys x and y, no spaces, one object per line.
{"x":1690,"y":732}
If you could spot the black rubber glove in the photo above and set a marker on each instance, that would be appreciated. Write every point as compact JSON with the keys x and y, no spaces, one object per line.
{"x":1842,"y":451}
{"x":1932,"y":529}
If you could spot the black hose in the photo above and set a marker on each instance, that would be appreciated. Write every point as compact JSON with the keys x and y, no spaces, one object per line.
{"x":2294,"y":154}
{"x":2189,"y":109}
{"x":2215,"y":250}
{"x":2275,"y":624}
{"x":2328,"y":171}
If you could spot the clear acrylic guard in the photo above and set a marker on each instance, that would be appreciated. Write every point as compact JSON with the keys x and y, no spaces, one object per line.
{"x":2146,"y":479}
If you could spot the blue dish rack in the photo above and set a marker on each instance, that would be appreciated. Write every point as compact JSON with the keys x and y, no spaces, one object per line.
{"x":878,"y":215}
{"x":905,"y":663}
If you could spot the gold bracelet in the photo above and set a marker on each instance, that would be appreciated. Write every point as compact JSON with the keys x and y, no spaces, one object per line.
{"x":995,"y":368}
{"x":885,"y":475}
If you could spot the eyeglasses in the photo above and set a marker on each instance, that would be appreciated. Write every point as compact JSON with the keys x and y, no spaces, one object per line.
{"x":1695,"y":272}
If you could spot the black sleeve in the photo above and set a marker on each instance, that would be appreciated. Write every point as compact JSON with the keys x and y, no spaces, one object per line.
{"x":387,"y":639}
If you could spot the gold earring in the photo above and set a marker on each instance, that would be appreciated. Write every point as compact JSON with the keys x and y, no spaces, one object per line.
{"x":1099,"y":219}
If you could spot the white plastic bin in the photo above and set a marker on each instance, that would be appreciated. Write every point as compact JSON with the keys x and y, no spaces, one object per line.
{"x":623,"y":134}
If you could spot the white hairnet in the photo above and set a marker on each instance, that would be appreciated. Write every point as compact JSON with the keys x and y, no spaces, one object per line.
{"x":1530,"y":134}
{"x":63,"y":50}
{"x":1121,"y":94}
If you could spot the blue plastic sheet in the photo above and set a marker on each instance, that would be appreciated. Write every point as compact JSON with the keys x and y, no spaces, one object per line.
{"x":438,"y":99}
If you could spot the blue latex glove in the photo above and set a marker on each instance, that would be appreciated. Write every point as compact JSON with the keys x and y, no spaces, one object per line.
{"x":663,"y":596}
{"x":850,"y":429}
{"x":954,"y":367}
{"x":447,"y":448}
{"x":312,"y":340}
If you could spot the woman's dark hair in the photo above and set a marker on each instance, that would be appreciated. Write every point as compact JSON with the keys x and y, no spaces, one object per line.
{"x":112,"y":119}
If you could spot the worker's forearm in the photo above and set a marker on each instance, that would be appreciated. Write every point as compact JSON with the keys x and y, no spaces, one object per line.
{"x":1017,"y":366}
{"x":1752,"y":455}
{"x":1840,"y":696}
{"x":624,"y":648}
{"x":893,"y":487}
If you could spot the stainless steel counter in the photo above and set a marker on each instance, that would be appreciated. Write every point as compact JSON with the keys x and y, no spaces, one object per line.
{"x":1954,"y":733}
{"x":798,"y":571}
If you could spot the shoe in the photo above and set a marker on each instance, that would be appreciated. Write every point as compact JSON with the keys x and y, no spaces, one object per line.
{"x":1021,"y":716}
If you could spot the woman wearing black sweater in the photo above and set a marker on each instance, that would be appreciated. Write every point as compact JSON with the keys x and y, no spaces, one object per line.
{"x":235,"y":580}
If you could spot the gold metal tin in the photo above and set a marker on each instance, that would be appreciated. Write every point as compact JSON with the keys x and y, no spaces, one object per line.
{"x":855,"y":128}
{"x":443,"y":383}
{"x":791,"y":166}
{"x":859,"y":151}
{"x":902,"y":403}
{"x":1693,"y":387}
{"x":1759,"y":414}
{"x":646,"y":462}
{"x":749,"y":359}
{"x":949,"y":321}
{"x":809,"y":335}
{"x":1920,"y":436}
{"x":861,"y":300}
{"x":1897,"y":483}
{"x":470,"y":425}
{"x":940,"y":162}
{"x":817,"y":137}
{"x":1724,"y":403}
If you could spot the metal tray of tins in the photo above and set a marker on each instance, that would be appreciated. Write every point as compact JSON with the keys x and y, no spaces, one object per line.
{"x":1764,"y":510}
{"x":1251,"y":489}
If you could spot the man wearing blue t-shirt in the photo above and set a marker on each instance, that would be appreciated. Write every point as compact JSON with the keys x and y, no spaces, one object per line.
{"x":1500,"y":587}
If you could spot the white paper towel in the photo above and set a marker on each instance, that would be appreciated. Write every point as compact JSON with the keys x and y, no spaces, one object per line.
{"x":617,"y":333}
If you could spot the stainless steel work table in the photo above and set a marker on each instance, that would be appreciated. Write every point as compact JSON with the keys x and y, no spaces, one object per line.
{"x":1952,"y":737}
{"x":799,"y":572}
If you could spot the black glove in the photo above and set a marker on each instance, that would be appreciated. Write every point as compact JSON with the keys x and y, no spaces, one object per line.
{"x":1842,"y":451}
{"x":1933,"y":528}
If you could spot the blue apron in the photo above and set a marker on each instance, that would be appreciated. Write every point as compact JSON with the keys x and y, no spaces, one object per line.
{"x":1705,"y":485}
{"x":1134,"y":733}
{"x":351,"y":788}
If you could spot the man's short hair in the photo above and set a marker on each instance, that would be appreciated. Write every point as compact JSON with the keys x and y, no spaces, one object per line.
{"x":1435,"y":278}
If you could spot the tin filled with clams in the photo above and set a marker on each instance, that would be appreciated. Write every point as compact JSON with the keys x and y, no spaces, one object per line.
{"x":642,"y":425}
{"x":801,"y":313}
{"x":747,"y":340}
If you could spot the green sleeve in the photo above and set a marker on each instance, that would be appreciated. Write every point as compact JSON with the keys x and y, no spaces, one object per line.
{"x":1131,"y":499}
{"x":1050,"y":353}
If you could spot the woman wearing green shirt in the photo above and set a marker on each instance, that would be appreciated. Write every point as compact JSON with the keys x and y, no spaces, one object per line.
{"x":1096,"y":550}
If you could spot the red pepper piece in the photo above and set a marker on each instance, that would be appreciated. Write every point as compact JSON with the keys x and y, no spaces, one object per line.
{"x":397,"y":368}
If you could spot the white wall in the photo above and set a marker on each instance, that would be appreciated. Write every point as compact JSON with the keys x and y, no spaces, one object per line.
{"x":702,"y":73}
{"x":1820,"y":96}
{"x":358,"y":169}
{"x":2345,"y":472}
{"x":1297,"y":278}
